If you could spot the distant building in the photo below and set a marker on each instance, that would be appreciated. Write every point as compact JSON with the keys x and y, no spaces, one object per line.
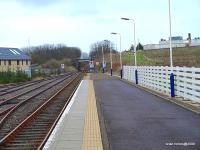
{"x":13,"y":59}
{"x":177,"y":42}
{"x":195,"y":42}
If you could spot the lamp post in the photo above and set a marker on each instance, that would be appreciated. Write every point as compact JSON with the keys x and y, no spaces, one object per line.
{"x":110,"y":58}
{"x":103,"y":59}
{"x":170,"y":37}
{"x":128,"y":19}
{"x":136,"y":75}
{"x":120,"y":56}
{"x":171,"y":59}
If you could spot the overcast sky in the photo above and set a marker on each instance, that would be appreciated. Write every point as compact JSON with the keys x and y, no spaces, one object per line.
{"x":82,"y":22}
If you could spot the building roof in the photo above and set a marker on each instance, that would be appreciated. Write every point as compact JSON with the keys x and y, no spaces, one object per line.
{"x":12,"y":54}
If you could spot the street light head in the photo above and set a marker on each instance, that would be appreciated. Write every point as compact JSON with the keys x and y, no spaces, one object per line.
{"x":113,"y":33}
{"x":125,"y":18}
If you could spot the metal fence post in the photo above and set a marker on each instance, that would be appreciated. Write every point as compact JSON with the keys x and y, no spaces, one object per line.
{"x":136,"y":76}
{"x":172,"y":85}
{"x":121,"y":73}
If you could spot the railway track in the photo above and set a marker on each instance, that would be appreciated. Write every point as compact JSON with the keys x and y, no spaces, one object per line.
{"x":34,"y":130}
{"x":37,"y":98}
{"x":12,"y":86}
{"x":24,"y":94}
{"x":12,"y":92}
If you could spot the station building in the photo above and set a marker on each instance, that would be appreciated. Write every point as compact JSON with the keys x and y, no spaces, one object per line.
{"x":13,"y":59}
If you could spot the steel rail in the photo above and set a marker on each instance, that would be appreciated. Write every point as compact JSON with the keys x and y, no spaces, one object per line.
{"x":28,"y":85}
{"x":20,"y":84}
{"x":8,"y":138}
{"x":57,"y":119}
{"x":17,"y":105}
{"x":27,"y":92}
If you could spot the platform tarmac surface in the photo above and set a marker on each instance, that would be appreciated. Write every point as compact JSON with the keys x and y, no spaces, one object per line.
{"x":78,"y":128}
{"x":138,"y":120}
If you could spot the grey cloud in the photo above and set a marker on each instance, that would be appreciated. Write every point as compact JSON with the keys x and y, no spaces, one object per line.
{"x":37,"y":3}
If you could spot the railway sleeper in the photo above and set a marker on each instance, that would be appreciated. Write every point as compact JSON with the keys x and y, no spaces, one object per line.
{"x":46,"y":117}
{"x":13,"y":148}
{"x":35,"y":124}
{"x":30,"y":134}
{"x":32,"y":144}
{"x":29,"y":138}
{"x":49,"y":112}
{"x":2,"y":92}
{"x":40,"y":124}
{"x":34,"y":132}
{"x":20,"y":146}
{"x":19,"y":141}
{"x":59,"y":105}
{"x":36,"y":127}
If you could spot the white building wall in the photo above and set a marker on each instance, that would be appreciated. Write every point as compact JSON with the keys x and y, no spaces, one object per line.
{"x":175,"y":44}
{"x":151,"y":46}
{"x":195,"y":42}
{"x":162,"y":46}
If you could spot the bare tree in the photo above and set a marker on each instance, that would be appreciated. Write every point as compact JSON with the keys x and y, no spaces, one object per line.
{"x":41,"y":54}
{"x":96,"y":49}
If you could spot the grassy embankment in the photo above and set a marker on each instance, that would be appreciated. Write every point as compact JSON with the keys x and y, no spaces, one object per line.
{"x":189,"y":57}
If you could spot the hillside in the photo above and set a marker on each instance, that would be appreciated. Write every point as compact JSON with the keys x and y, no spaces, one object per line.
{"x":189,"y":57}
{"x":181,"y":57}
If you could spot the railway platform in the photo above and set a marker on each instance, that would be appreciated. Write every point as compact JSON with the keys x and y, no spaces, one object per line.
{"x":107,"y":113}
{"x":78,"y":127}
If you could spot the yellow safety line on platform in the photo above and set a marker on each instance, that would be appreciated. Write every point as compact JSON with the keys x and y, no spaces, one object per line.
{"x":92,"y":135}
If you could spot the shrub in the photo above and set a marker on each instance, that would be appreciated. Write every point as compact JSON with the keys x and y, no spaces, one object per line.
{"x":12,"y":77}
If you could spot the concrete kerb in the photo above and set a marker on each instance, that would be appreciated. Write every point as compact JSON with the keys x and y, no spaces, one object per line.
{"x":172,"y":100}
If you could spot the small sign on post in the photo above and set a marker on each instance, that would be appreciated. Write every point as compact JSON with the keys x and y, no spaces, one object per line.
{"x":91,"y":64}
{"x":104,"y":65}
{"x":62,"y":66}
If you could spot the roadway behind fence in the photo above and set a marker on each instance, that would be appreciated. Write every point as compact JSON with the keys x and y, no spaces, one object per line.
{"x":187,"y":80}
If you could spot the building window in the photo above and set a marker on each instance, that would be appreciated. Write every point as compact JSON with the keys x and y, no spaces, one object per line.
{"x":9,"y":62}
{"x":4,"y":62}
{"x":26,"y":62}
{"x":17,"y":62}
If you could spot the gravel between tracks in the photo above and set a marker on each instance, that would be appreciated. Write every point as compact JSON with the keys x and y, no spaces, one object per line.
{"x":34,"y":132}
{"x":14,"y":93}
{"x":27,"y":108}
